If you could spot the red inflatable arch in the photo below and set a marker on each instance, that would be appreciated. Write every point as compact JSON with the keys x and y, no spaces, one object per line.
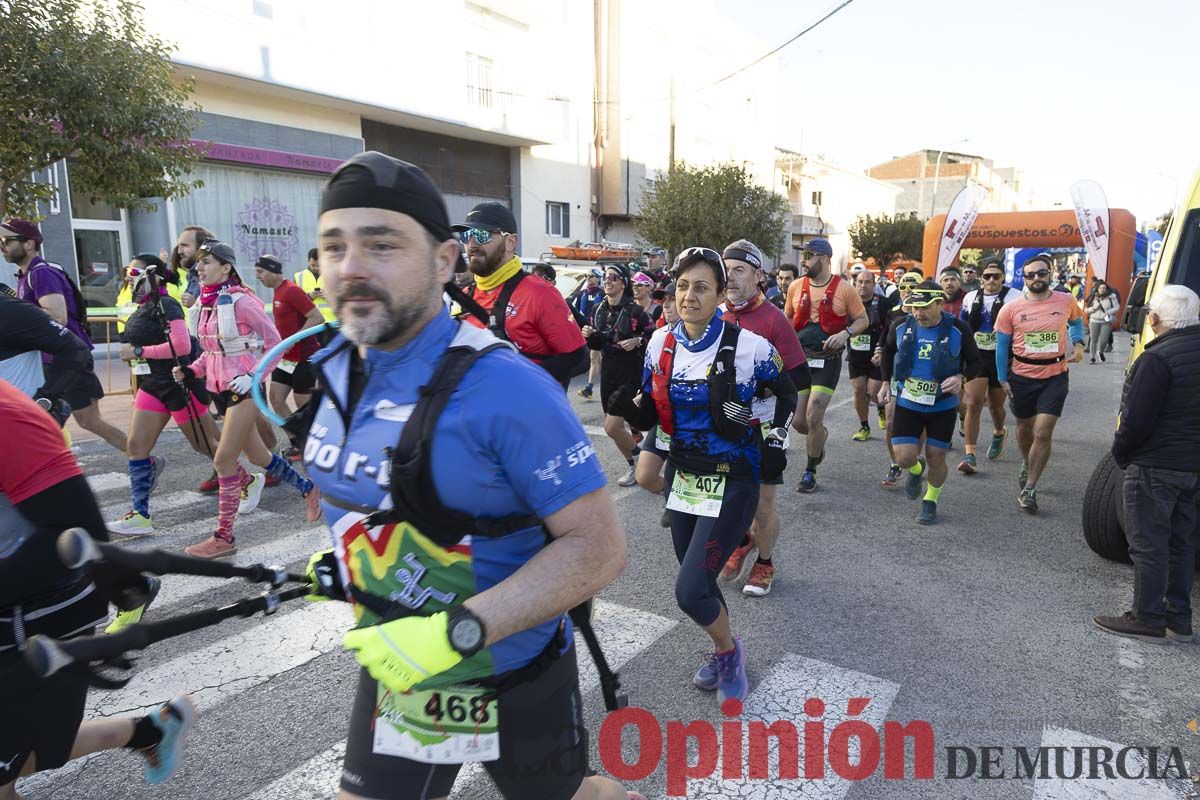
{"x":1041,"y":229}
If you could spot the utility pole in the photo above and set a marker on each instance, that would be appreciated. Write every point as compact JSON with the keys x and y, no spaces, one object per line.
{"x":671,"y":139}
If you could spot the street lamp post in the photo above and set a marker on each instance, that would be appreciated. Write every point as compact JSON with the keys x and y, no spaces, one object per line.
{"x":937,"y":170}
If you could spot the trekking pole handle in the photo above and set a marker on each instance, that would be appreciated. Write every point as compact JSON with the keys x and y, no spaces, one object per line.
{"x":76,"y":549}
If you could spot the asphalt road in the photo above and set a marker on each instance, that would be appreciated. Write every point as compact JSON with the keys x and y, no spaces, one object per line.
{"x":979,"y":626}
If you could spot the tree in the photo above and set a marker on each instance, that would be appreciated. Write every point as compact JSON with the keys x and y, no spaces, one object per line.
{"x":711,"y":206}
{"x":1163,"y":222}
{"x":82,"y":79}
{"x":969,"y":255}
{"x":885,"y":236}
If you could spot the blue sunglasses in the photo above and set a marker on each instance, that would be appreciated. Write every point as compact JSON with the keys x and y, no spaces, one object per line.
{"x":480,"y":235}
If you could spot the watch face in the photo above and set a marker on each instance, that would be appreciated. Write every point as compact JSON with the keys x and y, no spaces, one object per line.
{"x":467,"y":634}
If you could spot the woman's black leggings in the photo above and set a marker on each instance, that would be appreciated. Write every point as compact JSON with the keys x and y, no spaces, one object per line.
{"x":703,"y":545}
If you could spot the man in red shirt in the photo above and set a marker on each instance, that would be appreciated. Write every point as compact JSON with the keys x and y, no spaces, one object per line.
{"x":42,"y":493}
{"x":746,"y":306}
{"x":294,"y":311}
{"x":531,"y":314}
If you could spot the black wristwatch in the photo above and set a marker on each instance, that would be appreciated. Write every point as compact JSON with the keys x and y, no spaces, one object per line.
{"x":465,"y":632}
{"x":137,"y":351}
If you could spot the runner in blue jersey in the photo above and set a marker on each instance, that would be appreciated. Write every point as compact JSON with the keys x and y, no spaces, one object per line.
{"x":700,"y":379}
{"x":928,"y":355}
{"x":475,"y":626}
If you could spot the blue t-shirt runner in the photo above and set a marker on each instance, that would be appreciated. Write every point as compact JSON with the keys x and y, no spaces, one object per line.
{"x":496,"y":454}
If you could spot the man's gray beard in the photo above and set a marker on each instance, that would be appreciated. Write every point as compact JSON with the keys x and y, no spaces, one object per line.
{"x":378,"y":328}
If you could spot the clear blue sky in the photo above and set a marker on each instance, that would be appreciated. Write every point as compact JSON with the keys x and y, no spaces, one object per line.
{"x":1063,"y":89}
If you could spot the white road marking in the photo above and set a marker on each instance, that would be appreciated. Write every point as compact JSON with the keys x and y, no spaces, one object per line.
{"x":176,"y":537}
{"x":106,"y":481}
{"x":623,"y":632}
{"x":781,"y":696}
{"x":232,"y":665}
{"x":1104,"y":788}
{"x":167,"y":502}
{"x":283,"y":551}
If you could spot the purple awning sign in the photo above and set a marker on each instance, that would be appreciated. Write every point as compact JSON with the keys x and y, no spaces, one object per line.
{"x":262,"y":157}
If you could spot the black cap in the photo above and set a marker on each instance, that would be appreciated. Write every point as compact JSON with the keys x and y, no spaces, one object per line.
{"x":375,"y":180}
{"x":990,"y":261}
{"x":489,"y":216}
{"x":270,"y":263}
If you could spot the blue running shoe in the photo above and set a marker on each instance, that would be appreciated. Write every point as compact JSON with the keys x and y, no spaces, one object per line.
{"x":808,"y":482}
{"x":709,"y":675}
{"x":912,"y":485}
{"x":732,"y":668}
{"x":175,"y":720}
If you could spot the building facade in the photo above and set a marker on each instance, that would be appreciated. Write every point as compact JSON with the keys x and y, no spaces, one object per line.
{"x":562,"y":110}
{"x":929,"y":180}
{"x":826,"y":200}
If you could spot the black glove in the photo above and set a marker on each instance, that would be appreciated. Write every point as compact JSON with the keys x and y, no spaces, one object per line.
{"x":325,"y":577}
{"x":774,"y":457}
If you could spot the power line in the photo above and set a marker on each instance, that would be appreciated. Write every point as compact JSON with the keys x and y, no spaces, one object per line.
{"x":765,"y":56}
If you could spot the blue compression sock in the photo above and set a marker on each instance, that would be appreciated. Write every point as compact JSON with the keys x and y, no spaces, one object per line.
{"x":141,"y":475}
{"x":278,"y":468}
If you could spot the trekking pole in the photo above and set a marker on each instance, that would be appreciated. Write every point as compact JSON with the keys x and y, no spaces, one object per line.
{"x":77,"y":549}
{"x":46,"y":655}
{"x":610,"y":681}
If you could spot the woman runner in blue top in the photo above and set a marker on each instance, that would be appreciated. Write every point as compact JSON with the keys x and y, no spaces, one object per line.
{"x":700,"y":377}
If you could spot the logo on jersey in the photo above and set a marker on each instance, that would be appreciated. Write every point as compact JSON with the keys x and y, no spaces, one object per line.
{"x":412,"y":593}
{"x":387,"y":410}
{"x":550,"y":471}
{"x":925,"y":349}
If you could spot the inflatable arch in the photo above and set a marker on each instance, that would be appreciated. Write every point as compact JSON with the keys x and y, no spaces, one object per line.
{"x":998,"y":231}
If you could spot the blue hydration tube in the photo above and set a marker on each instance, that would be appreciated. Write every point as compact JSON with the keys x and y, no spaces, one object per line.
{"x":277,"y":350}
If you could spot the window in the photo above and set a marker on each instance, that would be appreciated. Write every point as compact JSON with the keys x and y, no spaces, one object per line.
{"x":816,"y":198}
{"x":479,"y":80}
{"x":558,"y":219}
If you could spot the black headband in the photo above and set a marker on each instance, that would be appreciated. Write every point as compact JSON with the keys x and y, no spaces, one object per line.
{"x":738,"y":254}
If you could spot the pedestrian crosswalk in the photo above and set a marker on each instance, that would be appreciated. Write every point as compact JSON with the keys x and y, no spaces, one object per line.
{"x":242,"y":671}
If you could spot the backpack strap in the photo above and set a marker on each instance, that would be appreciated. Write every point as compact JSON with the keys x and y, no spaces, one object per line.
{"x":499,"y":311}
{"x":414,"y":493}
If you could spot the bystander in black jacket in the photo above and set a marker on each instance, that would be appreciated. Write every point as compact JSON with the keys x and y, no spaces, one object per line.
{"x":1160,"y":405}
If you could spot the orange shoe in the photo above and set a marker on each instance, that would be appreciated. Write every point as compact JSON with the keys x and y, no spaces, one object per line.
{"x":312,"y":504}
{"x":737,"y":561}
{"x":212,"y":547}
{"x":759,"y":583}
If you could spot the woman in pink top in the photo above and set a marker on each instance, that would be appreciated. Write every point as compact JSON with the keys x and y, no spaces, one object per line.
{"x":234,"y":331}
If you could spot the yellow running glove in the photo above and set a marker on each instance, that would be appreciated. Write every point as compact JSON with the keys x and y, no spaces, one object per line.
{"x":402,"y":653}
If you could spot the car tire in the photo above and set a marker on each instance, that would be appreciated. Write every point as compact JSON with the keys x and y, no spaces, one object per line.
{"x":1103,"y":517}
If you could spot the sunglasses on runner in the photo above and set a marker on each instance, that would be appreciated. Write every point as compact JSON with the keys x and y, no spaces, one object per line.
{"x":993,"y":276}
{"x":1041,"y":273}
{"x":7,"y":239}
{"x":480,"y":235}
{"x":691,"y":255}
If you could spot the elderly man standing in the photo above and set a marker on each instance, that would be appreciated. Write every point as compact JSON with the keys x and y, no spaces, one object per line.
{"x":1158,"y":446}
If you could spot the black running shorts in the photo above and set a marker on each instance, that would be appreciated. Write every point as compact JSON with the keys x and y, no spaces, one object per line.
{"x":825,"y":373}
{"x":937,"y":426}
{"x":37,"y":715}
{"x":543,"y":744}
{"x":301,"y":378}
{"x":1032,"y":397}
